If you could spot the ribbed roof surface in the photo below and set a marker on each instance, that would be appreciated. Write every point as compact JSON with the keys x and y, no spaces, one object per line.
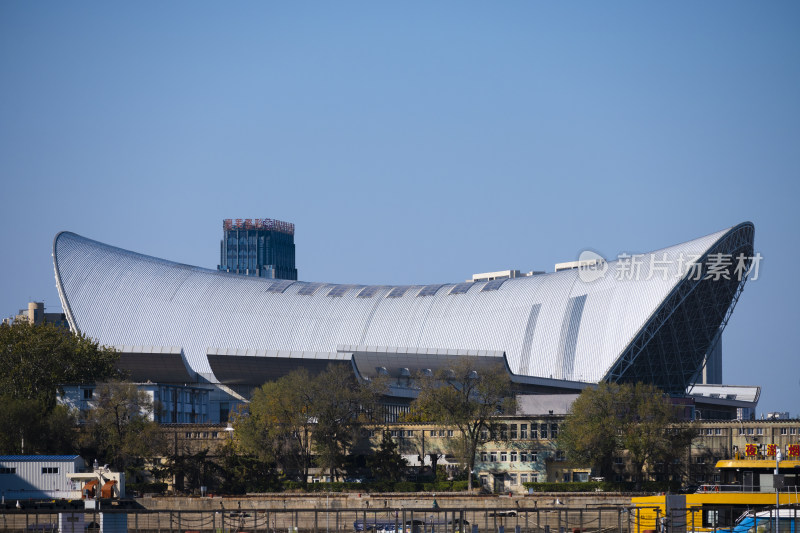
{"x":550,"y":325}
{"x":35,"y":458}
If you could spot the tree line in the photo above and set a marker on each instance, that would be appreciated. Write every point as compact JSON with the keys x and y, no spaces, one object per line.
{"x":302,"y":421}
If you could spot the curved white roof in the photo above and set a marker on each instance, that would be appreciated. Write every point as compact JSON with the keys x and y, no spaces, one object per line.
{"x":550,"y":325}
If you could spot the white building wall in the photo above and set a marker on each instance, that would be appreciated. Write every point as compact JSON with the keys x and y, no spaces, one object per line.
{"x":39,"y":477}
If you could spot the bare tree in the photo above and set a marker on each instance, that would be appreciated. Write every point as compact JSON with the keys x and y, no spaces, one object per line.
{"x":468,"y":399}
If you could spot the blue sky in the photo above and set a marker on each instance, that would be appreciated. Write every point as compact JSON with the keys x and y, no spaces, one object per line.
{"x":410,"y":142}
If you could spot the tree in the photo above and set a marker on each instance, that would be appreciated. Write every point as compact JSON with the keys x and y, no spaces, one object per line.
{"x":28,"y":429}
{"x":36,"y":360}
{"x":466,"y":398}
{"x":387,"y":463}
{"x":637,"y":418}
{"x":119,"y":429}
{"x":277,"y":426}
{"x":341,"y":405}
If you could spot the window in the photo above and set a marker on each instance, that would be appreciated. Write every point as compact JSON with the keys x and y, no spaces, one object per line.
{"x":409,"y":433}
{"x":513,"y":431}
{"x":760,"y":431}
{"x":214,"y":434}
{"x":534,"y":478}
{"x":449,"y":432}
{"x":561,"y":455}
{"x":749,"y":431}
{"x":88,"y":393}
{"x":553,"y":431}
{"x":513,"y":478}
{"x":784,"y":431}
{"x":484,"y":434}
{"x":503,"y":432}
{"x":433,"y":433}
{"x":617,"y":460}
{"x":534,"y":457}
{"x":523,"y":457}
{"x":484,"y":481}
{"x":493,"y":457}
{"x":8,"y":470}
{"x":513,"y":457}
{"x":503,"y":457}
{"x":523,"y":431}
{"x":700,"y":460}
{"x":394,"y":433}
{"x":792,"y":431}
{"x":741,"y":431}
{"x":717,"y":431}
{"x":441,"y":433}
{"x":523,"y":478}
{"x":534,"y":432}
{"x":542,"y":431}
{"x":49,"y":470}
{"x":709,"y":431}
{"x":483,"y":457}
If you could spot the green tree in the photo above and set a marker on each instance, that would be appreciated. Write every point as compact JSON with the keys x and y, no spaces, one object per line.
{"x":341,"y":405}
{"x":119,"y":429}
{"x":277,"y":426}
{"x":387,"y":464}
{"x":189,"y":471}
{"x":36,"y":360}
{"x":242,"y":473}
{"x":28,"y":429}
{"x":468,"y":399}
{"x":614,"y":418}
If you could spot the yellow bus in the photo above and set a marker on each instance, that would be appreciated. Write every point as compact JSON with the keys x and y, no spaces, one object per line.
{"x":745,"y":485}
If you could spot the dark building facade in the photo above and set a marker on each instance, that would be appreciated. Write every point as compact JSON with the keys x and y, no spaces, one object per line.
{"x":260,"y":247}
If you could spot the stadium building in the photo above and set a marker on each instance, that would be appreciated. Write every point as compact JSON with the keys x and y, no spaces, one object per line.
{"x":654,"y":317}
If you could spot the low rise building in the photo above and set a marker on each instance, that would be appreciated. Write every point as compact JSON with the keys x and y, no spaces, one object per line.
{"x":25,"y":477}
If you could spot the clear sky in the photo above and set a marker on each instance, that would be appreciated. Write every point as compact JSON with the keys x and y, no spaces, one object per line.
{"x":411,"y":142}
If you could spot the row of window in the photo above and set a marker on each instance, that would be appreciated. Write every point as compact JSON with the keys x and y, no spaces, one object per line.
{"x":760,"y":431}
{"x":523,"y":478}
{"x":8,"y":470}
{"x":201,"y":434}
{"x":524,"y":457}
{"x":49,"y":470}
{"x":506,"y":432}
{"x":542,"y":431}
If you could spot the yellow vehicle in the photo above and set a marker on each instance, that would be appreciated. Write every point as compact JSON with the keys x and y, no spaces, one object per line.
{"x":746,"y":485}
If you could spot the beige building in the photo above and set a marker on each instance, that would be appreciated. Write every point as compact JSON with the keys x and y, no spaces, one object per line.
{"x":526,"y":448}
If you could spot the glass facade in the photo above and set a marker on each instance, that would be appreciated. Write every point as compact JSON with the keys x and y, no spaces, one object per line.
{"x":258,"y":249}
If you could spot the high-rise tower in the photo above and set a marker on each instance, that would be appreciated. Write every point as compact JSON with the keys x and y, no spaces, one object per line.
{"x":259,"y":247}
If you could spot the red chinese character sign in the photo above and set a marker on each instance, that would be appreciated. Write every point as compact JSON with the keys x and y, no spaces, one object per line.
{"x":751,"y":450}
{"x":772,"y":449}
{"x":793,"y":450}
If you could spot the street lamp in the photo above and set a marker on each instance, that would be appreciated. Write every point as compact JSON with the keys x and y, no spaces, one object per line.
{"x":778,"y":458}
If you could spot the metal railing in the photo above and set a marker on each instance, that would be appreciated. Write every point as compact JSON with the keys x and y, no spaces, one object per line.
{"x":559,"y":519}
